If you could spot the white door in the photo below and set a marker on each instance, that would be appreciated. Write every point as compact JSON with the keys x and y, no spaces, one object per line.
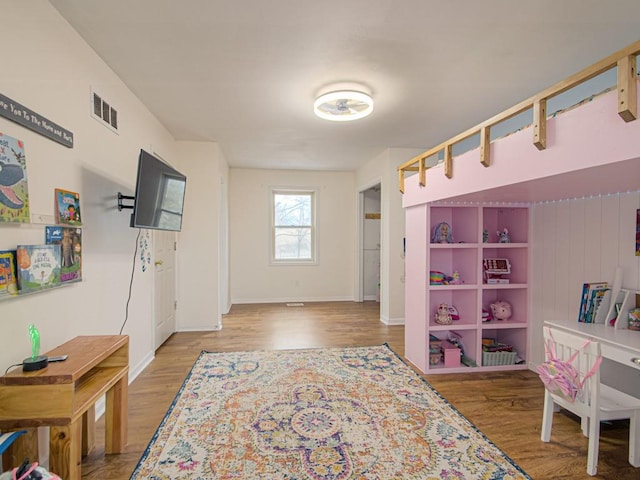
{"x":165,"y":285}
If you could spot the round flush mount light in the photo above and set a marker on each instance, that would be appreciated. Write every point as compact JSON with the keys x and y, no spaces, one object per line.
{"x":343,"y":105}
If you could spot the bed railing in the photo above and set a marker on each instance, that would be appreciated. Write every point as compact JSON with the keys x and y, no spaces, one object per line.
{"x":624,"y":60}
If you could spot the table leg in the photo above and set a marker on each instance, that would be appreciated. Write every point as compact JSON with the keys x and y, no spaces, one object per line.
{"x":116,"y":417}
{"x":88,"y":430}
{"x":65,"y":450}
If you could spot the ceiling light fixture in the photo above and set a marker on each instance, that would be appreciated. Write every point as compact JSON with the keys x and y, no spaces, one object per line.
{"x":343,"y":105}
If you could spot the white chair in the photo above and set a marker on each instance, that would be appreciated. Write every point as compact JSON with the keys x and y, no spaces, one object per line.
{"x":595,"y":403}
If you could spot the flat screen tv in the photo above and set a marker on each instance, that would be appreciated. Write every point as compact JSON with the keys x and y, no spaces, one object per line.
{"x":159,"y":198}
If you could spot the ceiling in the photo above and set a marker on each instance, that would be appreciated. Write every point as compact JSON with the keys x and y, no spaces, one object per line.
{"x":245,"y":73}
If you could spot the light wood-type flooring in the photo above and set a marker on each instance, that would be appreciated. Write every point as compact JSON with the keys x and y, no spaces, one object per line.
{"x":505,"y":406}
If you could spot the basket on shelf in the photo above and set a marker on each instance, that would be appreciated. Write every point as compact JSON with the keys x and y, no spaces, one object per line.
{"x":490,"y":359}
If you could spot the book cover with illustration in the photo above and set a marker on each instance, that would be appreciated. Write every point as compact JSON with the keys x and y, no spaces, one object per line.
{"x":70,"y":241}
{"x":14,"y":195}
{"x":38,"y":267}
{"x":67,"y":207}
{"x":8,"y":281}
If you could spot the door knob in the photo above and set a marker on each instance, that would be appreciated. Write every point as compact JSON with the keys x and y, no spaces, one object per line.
{"x":157,"y":262}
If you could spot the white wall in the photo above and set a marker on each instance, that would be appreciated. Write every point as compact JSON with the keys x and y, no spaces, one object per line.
{"x":51,"y":71}
{"x":383,"y":169}
{"x":198,"y":244}
{"x":574,"y":242}
{"x":252,"y":278}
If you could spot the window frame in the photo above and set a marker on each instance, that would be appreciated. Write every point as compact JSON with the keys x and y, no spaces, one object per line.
{"x":313,"y":193}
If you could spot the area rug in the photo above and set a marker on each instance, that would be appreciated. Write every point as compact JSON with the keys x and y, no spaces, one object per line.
{"x":321,"y":414}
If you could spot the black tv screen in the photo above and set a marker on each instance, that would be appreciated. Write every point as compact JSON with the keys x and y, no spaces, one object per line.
{"x":159,"y":197}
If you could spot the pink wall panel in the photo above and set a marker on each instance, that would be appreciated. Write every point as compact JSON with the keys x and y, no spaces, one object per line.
{"x":590,"y":150}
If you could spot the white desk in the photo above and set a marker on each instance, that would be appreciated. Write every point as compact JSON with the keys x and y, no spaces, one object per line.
{"x":619,"y":345}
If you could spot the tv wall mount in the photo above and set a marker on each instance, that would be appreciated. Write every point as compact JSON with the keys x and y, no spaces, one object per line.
{"x":121,"y":205}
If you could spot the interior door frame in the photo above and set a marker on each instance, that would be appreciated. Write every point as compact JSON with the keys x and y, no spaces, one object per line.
{"x":359,"y":263}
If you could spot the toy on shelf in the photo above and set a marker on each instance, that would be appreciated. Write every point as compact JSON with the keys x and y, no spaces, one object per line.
{"x":495,"y":270}
{"x":453,"y":311}
{"x":486,"y":315}
{"x":442,"y":233}
{"x":436,"y":278}
{"x":443,"y":316}
{"x":634,"y":319}
{"x":455,"y":279}
{"x":501,"y":310}
{"x":485,"y":236}
{"x":503,"y":236}
{"x":441,"y":278}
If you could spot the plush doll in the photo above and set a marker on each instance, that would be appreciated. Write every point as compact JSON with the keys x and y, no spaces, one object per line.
{"x":503,"y":237}
{"x":501,"y":310}
{"x":443,"y":316}
{"x":442,"y":233}
{"x":455,"y":279}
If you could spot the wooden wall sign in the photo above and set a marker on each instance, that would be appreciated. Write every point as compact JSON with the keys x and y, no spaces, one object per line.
{"x":26,"y":117}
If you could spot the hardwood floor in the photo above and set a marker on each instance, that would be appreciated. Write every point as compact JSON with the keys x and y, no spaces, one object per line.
{"x":505,"y":406}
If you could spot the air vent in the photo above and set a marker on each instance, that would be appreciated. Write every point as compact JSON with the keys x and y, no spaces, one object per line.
{"x":102,"y":111}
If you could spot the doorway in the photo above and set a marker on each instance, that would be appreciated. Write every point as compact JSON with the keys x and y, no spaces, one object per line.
{"x":371,"y":242}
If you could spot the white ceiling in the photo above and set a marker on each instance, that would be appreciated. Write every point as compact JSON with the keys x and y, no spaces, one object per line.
{"x":244,"y":73}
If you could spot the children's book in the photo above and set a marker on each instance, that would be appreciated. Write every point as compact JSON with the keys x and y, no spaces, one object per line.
{"x":594,"y":304}
{"x":70,"y":241}
{"x":8,"y":281}
{"x":67,"y":207}
{"x":38,"y":267}
{"x":14,"y":195}
{"x":592,"y":294}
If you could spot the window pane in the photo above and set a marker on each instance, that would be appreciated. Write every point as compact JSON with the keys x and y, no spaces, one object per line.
{"x":292,"y":209}
{"x":293,"y":243}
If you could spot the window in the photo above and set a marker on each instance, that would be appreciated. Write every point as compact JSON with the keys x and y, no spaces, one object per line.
{"x":293,"y":226}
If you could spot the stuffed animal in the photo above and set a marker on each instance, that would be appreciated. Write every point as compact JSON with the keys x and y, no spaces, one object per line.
{"x":503,"y":236}
{"x":501,"y":310}
{"x":443,"y":316}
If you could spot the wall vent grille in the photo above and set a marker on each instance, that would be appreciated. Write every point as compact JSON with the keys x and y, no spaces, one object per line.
{"x":102,"y":111}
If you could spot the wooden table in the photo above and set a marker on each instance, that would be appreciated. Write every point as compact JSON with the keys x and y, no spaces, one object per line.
{"x":63,"y":396}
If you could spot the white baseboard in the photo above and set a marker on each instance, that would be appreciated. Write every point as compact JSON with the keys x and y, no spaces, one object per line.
{"x":291,"y":300}
{"x":392,"y":321}
{"x":213,"y":328}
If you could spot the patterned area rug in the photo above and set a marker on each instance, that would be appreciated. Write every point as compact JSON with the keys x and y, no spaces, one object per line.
{"x":330,"y":414}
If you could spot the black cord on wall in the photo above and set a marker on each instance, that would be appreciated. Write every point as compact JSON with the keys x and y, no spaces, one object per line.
{"x":133,"y":271}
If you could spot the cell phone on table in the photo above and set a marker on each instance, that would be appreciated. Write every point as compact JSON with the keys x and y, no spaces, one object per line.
{"x":58,"y":358}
